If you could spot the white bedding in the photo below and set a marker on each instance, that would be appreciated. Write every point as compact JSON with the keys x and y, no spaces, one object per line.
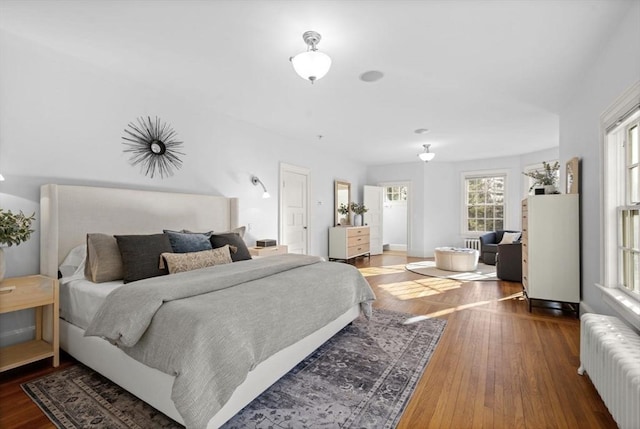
{"x":80,"y":299}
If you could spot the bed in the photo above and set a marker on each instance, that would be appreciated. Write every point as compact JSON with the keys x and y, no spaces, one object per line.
{"x":68,"y":213}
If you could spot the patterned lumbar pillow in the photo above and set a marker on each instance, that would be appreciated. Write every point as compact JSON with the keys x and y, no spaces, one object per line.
{"x":180,"y":262}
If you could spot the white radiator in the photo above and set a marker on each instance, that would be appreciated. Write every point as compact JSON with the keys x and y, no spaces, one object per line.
{"x":472,"y":243}
{"x":610,"y":353}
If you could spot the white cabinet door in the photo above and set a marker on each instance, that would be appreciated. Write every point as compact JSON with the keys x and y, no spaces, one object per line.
{"x":373,"y":199}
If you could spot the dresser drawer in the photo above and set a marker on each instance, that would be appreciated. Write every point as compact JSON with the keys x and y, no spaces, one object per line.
{"x":355,"y":232}
{"x":358,"y":240}
{"x":354,"y":251}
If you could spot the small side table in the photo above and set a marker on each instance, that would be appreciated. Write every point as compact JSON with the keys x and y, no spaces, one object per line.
{"x":259,"y":252}
{"x":41,"y":293}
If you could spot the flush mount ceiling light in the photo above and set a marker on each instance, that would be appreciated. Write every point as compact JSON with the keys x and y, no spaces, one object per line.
{"x":312,"y":64}
{"x":426,"y":156}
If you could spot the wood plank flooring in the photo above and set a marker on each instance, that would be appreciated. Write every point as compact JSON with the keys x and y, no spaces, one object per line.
{"x":496,"y":366}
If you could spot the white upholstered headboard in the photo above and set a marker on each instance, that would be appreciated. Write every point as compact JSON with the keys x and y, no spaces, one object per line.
{"x":68,"y":213}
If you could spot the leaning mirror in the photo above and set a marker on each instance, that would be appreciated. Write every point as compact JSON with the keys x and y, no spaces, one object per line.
{"x":342,"y":194}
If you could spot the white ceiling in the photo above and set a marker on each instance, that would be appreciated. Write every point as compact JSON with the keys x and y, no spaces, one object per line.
{"x":486,"y":77}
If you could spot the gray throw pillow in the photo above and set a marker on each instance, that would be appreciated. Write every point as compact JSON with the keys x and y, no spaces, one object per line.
{"x":188,"y":242}
{"x":141,"y":255}
{"x":233,"y":240}
{"x":104,"y":262}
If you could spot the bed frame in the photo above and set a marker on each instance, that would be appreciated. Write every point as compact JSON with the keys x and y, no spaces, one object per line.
{"x":68,"y":213}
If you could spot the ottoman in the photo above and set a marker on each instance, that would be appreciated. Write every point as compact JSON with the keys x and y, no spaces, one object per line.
{"x":456,"y":258}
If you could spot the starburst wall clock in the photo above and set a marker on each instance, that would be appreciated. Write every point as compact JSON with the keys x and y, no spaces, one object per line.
{"x":153,"y":146}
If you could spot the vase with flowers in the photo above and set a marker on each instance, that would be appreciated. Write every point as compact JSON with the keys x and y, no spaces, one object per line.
{"x":358,"y":210}
{"x":343,"y":209}
{"x":14,"y":229}
{"x":547,"y":177}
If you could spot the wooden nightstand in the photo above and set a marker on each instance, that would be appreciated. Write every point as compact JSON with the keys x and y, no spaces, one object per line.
{"x":259,"y":252}
{"x":41,"y":293}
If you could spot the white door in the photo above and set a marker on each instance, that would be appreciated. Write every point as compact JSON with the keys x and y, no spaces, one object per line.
{"x":373,"y":196}
{"x":294,"y":205}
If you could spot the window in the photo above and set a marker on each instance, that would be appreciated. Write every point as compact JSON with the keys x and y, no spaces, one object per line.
{"x":620,"y":282}
{"x":484,"y":205}
{"x":629,"y":212}
{"x":394,"y":194}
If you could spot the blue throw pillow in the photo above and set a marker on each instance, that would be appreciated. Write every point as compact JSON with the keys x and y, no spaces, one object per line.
{"x":186,"y":242}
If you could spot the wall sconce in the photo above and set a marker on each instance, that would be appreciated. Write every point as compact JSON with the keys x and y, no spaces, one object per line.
{"x":255,"y":182}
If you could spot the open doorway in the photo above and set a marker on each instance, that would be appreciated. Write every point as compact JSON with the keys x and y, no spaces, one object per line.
{"x":395,"y":217}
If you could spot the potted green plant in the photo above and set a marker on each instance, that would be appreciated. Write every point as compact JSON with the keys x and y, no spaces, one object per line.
{"x":14,"y":229}
{"x":358,"y":210}
{"x":546,"y":178}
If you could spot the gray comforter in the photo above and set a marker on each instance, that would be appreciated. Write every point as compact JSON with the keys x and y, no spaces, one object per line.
{"x":210,"y":327}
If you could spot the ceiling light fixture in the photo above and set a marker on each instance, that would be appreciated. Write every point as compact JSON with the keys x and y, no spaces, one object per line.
{"x":255,"y":182}
{"x":426,"y":156}
{"x":312,"y":64}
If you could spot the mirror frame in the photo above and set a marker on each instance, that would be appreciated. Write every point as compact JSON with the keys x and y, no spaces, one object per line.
{"x":338,"y":185}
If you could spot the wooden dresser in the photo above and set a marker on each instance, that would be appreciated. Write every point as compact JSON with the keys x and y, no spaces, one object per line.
{"x":348,"y":242}
{"x":551,"y":249}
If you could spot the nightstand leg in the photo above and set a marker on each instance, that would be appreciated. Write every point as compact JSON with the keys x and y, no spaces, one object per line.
{"x":38,"y":323}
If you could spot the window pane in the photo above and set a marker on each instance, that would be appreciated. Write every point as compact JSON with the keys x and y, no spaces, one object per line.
{"x":635,"y":229}
{"x":490,"y":210}
{"x":634,"y":195}
{"x":499,"y":212}
{"x":499,"y":224}
{"x":633,"y":144}
{"x":489,"y":225}
{"x":480,"y":225}
{"x":635,"y":276}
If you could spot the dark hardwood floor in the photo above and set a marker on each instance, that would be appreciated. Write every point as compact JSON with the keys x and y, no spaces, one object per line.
{"x":496,"y":366}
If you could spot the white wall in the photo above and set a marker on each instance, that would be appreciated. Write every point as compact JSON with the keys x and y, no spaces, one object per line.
{"x":394,"y":224}
{"x":614,"y":70}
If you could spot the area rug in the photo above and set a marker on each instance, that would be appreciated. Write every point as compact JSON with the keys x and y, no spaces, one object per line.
{"x":428,"y":268}
{"x":363,"y":377}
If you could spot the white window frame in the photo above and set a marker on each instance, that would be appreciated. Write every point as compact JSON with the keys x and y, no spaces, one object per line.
{"x":463,"y":184}
{"x":619,"y":298}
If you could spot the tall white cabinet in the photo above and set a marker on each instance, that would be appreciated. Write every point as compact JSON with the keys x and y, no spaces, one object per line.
{"x":551,"y":249}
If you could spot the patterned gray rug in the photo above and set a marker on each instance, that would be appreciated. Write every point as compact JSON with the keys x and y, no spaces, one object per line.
{"x":361,"y":378}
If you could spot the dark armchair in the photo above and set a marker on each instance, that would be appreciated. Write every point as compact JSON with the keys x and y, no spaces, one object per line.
{"x":489,"y":245}
{"x":509,"y":262}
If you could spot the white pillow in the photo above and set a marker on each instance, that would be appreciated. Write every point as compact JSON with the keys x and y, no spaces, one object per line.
{"x":74,"y":262}
{"x":509,"y":237}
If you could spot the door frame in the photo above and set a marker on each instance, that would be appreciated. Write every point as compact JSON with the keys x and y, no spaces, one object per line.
{"x":284,"y":167}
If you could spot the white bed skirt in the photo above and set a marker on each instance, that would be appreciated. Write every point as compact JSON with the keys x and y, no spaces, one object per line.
{"x":154,"y":386}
